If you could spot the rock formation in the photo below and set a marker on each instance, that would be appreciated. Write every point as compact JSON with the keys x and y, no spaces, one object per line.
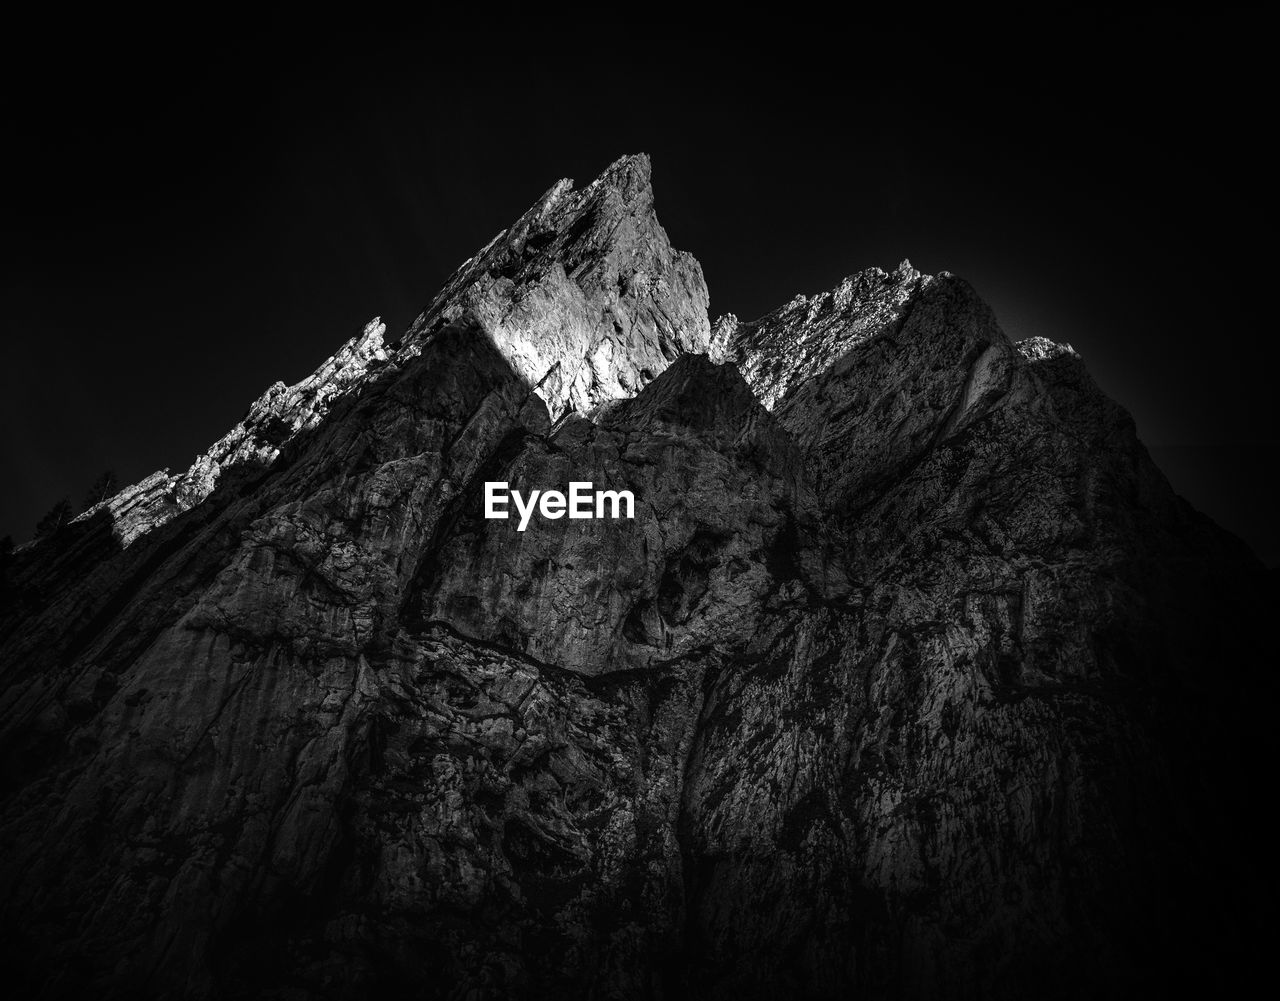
{"x":912,"y":677}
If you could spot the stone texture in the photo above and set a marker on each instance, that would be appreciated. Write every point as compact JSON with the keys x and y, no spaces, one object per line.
{"x":807,"y":335}
{"x":911,"y":677}
{"x":276,"y":416}
{"x":584,"y":294}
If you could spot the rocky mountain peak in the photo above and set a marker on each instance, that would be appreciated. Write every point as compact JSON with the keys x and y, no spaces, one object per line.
{"x":900,"y":672}
{"x":802,"y":338}
{"x":584,"y":293}
{"x":276,"y":417}
{"x":1036,"y":349}
{"x":630,"y":178}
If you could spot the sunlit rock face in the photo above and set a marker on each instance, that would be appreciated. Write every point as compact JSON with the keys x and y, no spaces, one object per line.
{"x":806,"y":336}
{"x":911,"y":677}
{"x":584,"y":293}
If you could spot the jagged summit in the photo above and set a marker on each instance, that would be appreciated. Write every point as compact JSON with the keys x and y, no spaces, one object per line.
{"x":805,"y":336}
{"x":910,"y":677}
{"x":1036,"y":349}
{"x":273,"y":419}
{"x":588,"y":301}
{"x":583,"y":294}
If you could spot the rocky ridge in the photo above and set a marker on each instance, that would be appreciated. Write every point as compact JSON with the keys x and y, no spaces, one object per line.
{"x":584,"y":295}
{"x":906,"y":681}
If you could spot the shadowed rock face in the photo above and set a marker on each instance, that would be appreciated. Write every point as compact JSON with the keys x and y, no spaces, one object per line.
{"x":910,"y":678}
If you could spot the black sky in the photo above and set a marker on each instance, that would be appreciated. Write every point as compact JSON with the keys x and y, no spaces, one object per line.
{"x":193,"y":215}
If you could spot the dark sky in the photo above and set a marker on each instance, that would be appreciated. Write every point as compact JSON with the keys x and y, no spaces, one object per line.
{"x":195,"y":211}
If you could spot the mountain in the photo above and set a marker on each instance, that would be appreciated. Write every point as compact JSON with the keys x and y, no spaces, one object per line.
{"x":910,"y":677}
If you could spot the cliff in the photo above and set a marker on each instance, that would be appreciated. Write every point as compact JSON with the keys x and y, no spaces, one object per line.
{"x":911,"y":677}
